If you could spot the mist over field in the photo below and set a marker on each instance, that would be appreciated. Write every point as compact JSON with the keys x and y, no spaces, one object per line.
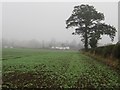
{"x":41,"y":44}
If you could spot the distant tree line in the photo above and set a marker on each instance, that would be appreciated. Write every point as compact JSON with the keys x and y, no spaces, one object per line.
{"x":39,"y":44}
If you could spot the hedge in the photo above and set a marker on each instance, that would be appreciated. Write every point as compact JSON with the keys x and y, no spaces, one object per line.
{"x":107,"y":51}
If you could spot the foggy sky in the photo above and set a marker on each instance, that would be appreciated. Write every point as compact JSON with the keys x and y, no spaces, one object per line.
{"x":46,"y":20}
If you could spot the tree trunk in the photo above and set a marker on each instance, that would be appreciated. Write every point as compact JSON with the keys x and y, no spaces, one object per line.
{"x":86,"y":39}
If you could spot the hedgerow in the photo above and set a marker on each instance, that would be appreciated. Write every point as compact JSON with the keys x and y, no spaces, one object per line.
{"x":107,"y":51}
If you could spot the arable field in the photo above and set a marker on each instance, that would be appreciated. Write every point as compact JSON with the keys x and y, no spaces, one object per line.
{"x":37,"y":68}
